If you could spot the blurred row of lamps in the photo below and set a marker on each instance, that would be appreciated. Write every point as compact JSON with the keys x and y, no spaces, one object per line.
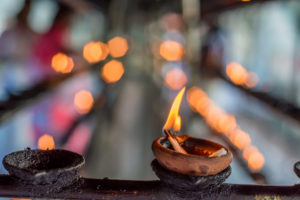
{"x":222,"y":122}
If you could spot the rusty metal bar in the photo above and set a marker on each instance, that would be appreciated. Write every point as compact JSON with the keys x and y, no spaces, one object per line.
{"x":126,"y":189}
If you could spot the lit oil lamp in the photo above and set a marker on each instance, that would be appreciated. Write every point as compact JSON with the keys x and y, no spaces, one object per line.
{"x":187,"y":155}
{"x":45,"y":167}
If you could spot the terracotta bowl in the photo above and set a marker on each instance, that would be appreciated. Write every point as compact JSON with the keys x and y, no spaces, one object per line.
{"x":196,"y":162}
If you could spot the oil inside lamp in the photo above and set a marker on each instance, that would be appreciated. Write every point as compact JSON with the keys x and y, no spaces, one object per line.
{"x":185,"y":154}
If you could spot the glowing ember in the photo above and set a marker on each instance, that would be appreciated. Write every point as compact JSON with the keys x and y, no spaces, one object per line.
{"x":175,"y":79}
{"x":118,"y":47}
{"x":112,"y":71}
{"x":83,"y":101}
{"x":171,"y":50}
{"x":62,"y":63}
{"x":256,"y":161}
{"x":46,"y":142}
{"x":95,"y":51}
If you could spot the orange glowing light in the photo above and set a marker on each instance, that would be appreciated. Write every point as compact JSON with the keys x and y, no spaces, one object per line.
{"x":240,"y":139}
{"x":237,"y":73}
{"x":95,"y":51}
{"x":256,"y":161}
{"x":19,"y":199}
{"x":194,"y":96}
{"x":175,"y":79}
{"x":213,"y":116}
{"x":62,"y":63}
{"x":227,"y":123}
{"x":248,"y":151}
{"x":83,"y":101}
{"x":252,"y":80}
{"x":118,"y":47}
{"x":171,"y":50}
{"x":112,"y":71}
{"x":173,"y":114}
{"x":177,"y":124}
{"x":46,"y":142}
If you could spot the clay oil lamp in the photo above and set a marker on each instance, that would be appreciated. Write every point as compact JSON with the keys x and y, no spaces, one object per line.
{"x":45,"y":168}
{"x":186,"y":155}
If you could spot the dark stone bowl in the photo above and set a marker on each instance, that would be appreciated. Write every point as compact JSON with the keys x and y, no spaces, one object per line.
{"x":181,"y":182}
{"x":58,"y":168}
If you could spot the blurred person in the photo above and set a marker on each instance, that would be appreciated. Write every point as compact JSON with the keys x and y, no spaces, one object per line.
{"x":55,"y":40}
{"x":15,"y":53}
{"x":16,"y":48}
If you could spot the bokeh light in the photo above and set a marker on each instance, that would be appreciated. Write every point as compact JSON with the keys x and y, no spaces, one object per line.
{"x":95,"y":51}
{"x":252,"y":80}
{"x":112,"y":71}
{"x":83,"y":101}
{"x":222,"y":122}
{"x":171,"y":50}
{"x":248,"y":151}
{"x":46,"y":142}
{"x":118,"y":47}
{"x":237,"y":73}
{"x":256,"y":161}
{"x":175,"y":79}
{"x":62,"y":63}
{"x":240,"y":139}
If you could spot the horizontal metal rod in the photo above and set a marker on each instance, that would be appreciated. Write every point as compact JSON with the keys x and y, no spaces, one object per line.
{"x":281,"y":106}
{"x":126,"y":189}
{"x":26,"y":97}
{"x":216,"y":7}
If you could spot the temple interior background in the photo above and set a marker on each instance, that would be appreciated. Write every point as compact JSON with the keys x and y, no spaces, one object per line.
{"x":239,"y":61}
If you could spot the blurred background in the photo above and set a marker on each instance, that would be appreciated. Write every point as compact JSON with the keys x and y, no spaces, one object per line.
{"x":100,"y":77}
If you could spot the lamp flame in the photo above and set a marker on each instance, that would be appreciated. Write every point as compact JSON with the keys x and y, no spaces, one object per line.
{"x":173,"y":117}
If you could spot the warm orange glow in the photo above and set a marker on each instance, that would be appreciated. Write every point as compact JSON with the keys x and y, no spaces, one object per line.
{"x":83,"y":101}
{"x":173,"y":114}
{"x":171,"y":50}
{"x":46,"y":142}
{"x":256,"y":161}
{"x":237,"y":73}
{"x":95,"y":51}
{"x":19,"y":199}
{"x":218,"y":120}
{"x":118,"y":47}
{"x":248,"y":151}
{"x":177,"y":124}
{"x":175,"y":79}
{"x":252,"y":80}
{"x":213,"y":115}
{"x":240,"y":138}
{"x":112,"y":71}
{"x":227,"y":123}
{"x":62,"y":63}
{"x":194,"y":96}
{"x":245,"y":0}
